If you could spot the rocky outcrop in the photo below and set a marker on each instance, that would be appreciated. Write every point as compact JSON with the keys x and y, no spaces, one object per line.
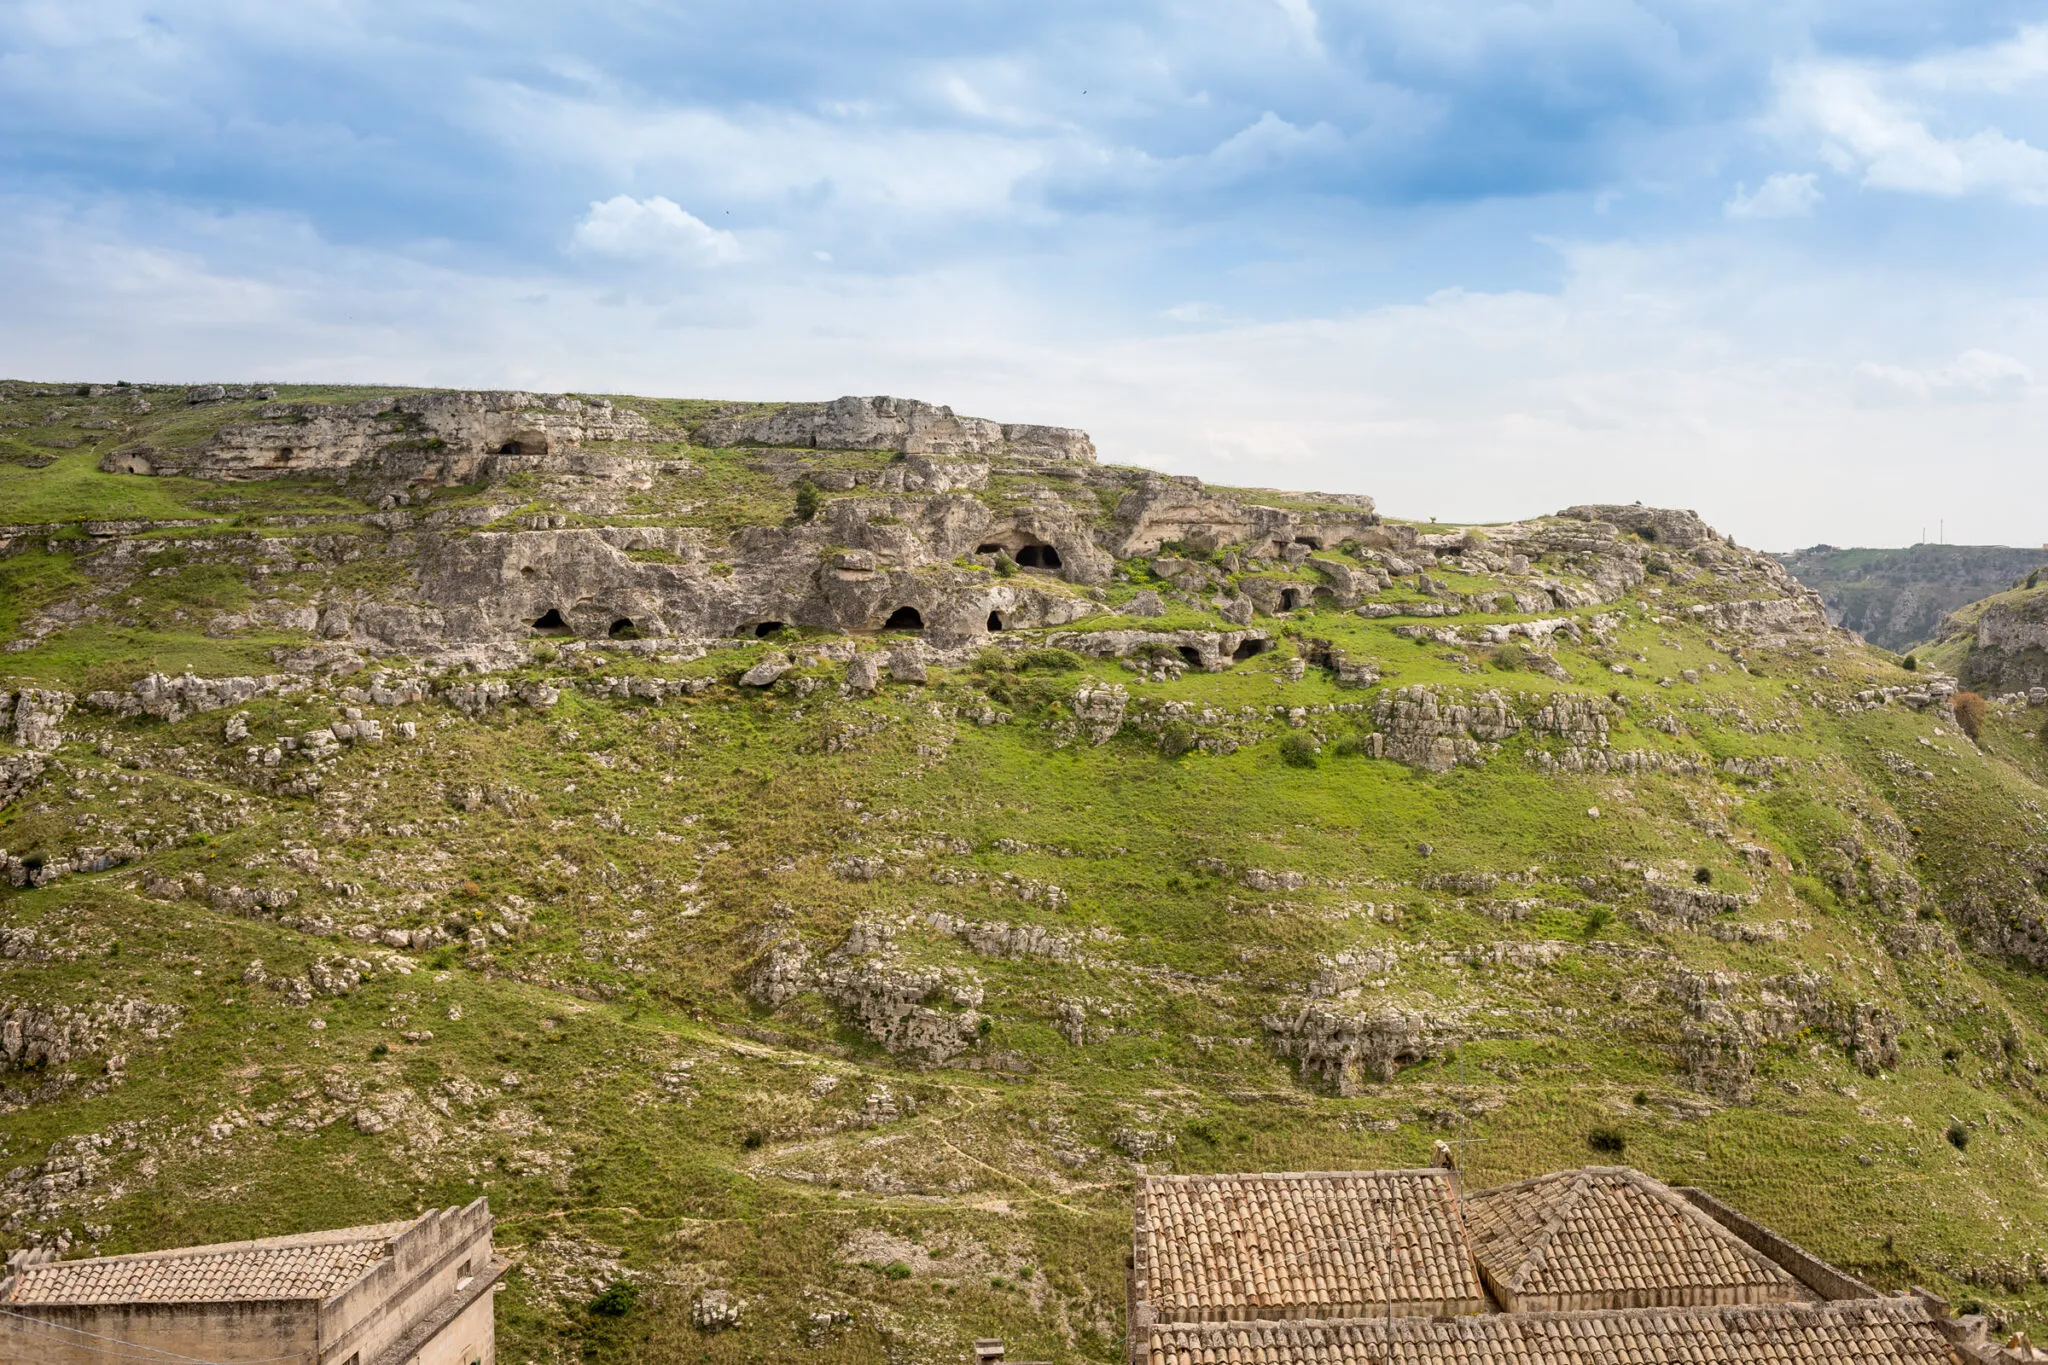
{"x":1350,"y":1051}
{"x":174,"y":698}
{"x":425,"y":438}
{"x":34,"y":715}
{"x":1432,"y":730}
{"x":902,"y":424}
{"x":33,"y":1035}
{"x":2008,"y":648}
{"x":1163,"y":510}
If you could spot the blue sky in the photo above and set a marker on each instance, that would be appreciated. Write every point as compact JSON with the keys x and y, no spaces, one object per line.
{"x":1779,"y":262}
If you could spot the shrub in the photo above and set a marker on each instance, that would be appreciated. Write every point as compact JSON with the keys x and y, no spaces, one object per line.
{"x":984,"y":1026}
{"x":1298,"y":751}
{"x":1350,"y":746}
{"x":992,"y":660}
{"x":807,"y":500}
{"x":1703,"y":875}
{"x":1051,"y":661}
{"x":1507,"y":659}
{"x":896,"y":1270}
{"x":2034,"y":579}
{"x":1958,"y":1136}
{"x":1176,"y":737}
{"x":1598,"y":918}
{"x":545,"y":654}
{"x":1969,"y":709}
{"x":1909,"y":663}
{"x":616,"y":1299}
{"x":753,"y":1139}
{"x":1005,"y":566}
{"x":1607,"y":1141}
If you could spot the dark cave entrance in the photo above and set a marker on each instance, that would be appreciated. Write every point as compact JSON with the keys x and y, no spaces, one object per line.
{"x":551,"y":620}
{"x":904,"y":618}
{"x":988,"y":549}
{"x":624,"y":629}
{"x":766,"y":629}
{"x":995,"y":621}
{"x":1249,"y":649}
{"x":1290,"y":598}
{"x":511,"y":448}
{"x":1038,"y":557}
{"x":1192,"y":655}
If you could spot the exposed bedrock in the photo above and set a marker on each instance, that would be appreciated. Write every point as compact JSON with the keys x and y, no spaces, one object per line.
{"x":903,"y":424}
{"x":441,"y":438}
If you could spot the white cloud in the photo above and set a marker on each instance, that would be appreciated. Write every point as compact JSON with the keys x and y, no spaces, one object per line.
{"x":1975,"y":376}
{"x":656,"y":229}
{"x":1784,"y":195}
{"x":1865,"y":131}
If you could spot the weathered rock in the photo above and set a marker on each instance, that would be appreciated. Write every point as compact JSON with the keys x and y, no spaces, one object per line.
{"x":902,"y":424}
{"x":1350,"y":1051}
{"x":766,"y":671}
{"x":37,"y":713}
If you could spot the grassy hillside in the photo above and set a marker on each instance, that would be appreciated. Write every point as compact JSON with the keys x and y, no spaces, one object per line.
{"x":1789,"y":948}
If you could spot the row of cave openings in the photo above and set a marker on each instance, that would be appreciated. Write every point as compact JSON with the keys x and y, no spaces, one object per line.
{"x":550,"y":622}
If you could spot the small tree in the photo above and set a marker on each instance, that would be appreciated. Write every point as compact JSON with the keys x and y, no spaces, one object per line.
{"x":1969,"y":709}
{"x":807,"y":500}
{"x":2034,"y":579}
{"x":1909,"y":663}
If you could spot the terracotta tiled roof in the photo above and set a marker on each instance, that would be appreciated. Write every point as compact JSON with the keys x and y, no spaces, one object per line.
{"x":1301,"y":1245}
{"x":1611,"y":1237}
{"x":314,"y":1266}
{"x":1848,"y":1332}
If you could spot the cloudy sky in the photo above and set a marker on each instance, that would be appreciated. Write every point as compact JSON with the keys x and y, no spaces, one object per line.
{"x":1780,"y":261}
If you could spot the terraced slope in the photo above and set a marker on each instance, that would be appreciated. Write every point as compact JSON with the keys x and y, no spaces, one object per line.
{"x":837,"y":978}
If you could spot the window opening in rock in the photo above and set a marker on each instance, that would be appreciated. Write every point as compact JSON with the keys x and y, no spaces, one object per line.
{"x":995,"y":620}
{"x":1248,"y":649}
{"x":988,"y":549}
{"x":1313,"y":542}
{"x":1192,"y":655}
{"x":510,"y":448}
{"x":551,"y":619}
{"x":766,"y":629}
{"x":904,"y":618}
{"x":624,"y":629}
{"x":1290,"y":598}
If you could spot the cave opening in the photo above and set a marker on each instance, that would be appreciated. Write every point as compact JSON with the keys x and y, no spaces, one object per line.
{"x":1192,"y":655}
{"x":1038,"y":557}
{"x":1249,"y":649}
{"x":904,"y":618}
{"x":511,"y":448}
{"x":995,"y":621}
{"x":1290,"y":598}
{"x":988,"y":549}
{"x":551,"y":619}
{"x":624,"y":629}
{"x":766,"y":629}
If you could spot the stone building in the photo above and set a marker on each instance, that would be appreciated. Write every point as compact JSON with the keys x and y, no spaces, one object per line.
{"x":416,"y":1292}
{"x":1600,"y":1264}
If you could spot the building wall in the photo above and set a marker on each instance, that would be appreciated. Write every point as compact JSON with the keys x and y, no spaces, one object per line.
{"x":224,"y":1332}
{"x":469,"y":1340}
{"x":424,"y":1269}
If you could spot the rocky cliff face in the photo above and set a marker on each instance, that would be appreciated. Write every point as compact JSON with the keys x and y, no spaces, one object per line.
{"x":1897,"y":598}
{"x":1999,"y":645}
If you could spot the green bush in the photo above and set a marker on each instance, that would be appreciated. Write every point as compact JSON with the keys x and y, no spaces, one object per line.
{"x":1607,"y":1141}
{"x":1349,"y":746}
{"x":1005,"y":566}
{"x":1051,"y":661}
{"x":896,"y":1270}
{"x":1176,"y":737}
{"x":807,"y":500}
{"x":1298,"y":751}
{"x":1969,"y":709}
{"x":1909,"y":663}
{"x":1958,"y":1136}
{"x":1598,"y":918}
{"x":616,"y":1299}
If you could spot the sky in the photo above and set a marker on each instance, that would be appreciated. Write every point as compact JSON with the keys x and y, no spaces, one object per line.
{"x":1779,"y":261}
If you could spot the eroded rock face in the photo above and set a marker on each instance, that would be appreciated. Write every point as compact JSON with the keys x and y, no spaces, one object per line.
{"x":52,"y":1035}
{"x":1167,"y":509}
{"x":2009,"y":649}
{"x":35,"y":715}
{"x":1350,"y":1051}
{"x":439,"y":438}
{"x":903,"y":424}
